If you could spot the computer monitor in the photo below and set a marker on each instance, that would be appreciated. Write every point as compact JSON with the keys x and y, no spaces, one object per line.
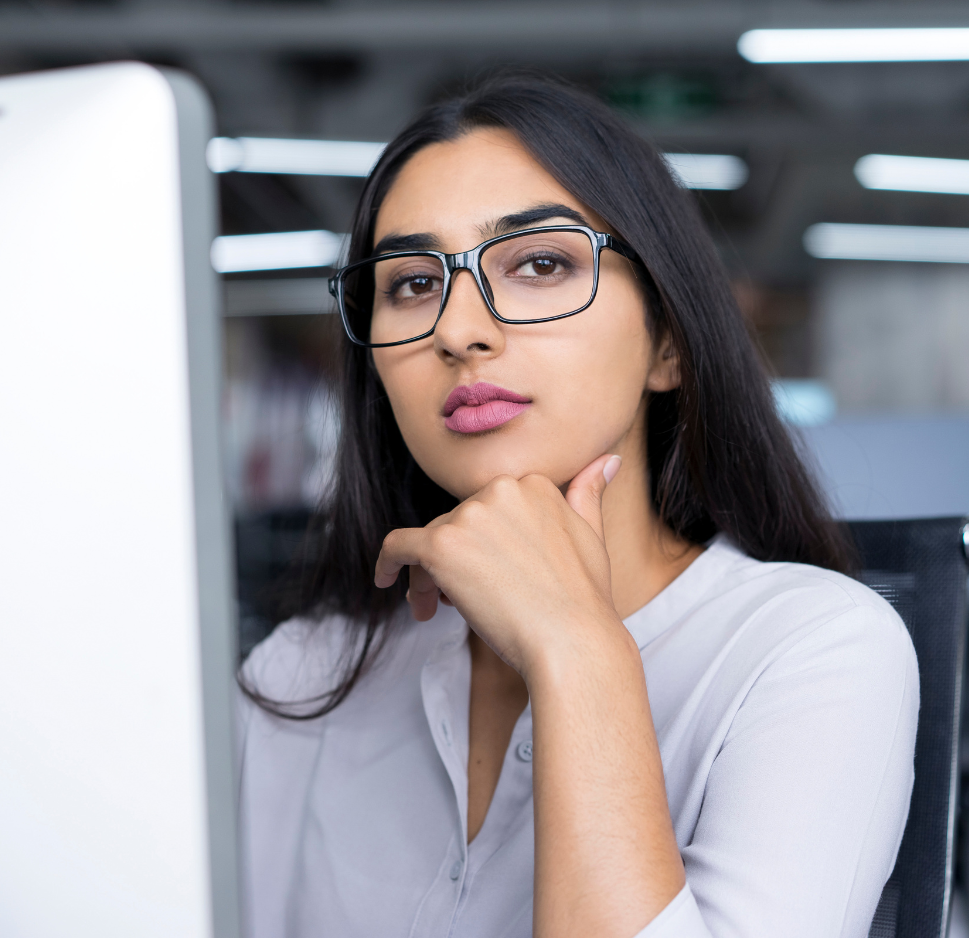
{"x":116,"y":652}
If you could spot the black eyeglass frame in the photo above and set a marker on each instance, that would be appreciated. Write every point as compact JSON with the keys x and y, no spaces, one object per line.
{"x":471,"y":260}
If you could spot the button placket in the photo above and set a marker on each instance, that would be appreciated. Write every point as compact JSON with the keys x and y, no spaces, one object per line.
{"x":445,"y":679}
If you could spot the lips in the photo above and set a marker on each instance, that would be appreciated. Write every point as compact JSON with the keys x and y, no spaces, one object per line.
{"x":480,"y":407}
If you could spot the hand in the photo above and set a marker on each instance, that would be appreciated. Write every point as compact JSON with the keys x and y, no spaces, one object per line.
{"x":525,"y":566}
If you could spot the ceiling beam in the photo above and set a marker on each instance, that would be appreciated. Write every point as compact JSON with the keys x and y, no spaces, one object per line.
{"x":694,"y":26}
{"x":935,"y":134}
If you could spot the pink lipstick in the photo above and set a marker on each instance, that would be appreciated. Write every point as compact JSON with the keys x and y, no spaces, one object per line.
{"x":480,"y":407}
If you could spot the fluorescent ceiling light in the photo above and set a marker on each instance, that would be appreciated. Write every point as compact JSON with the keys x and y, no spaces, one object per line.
{"x":352,"y":158}
{"x":707,"y":170}
{"x":302,"y":157}
{"x":888,"y":243}
{"x":855,"y":45}
{"x":913,"y":173}
{"x":278,"y":251}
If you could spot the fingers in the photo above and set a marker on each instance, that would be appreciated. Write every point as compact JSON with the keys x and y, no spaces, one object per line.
{"x":422,"y":594}
{"x":401,"y":548}
{"x":585,"y":491}
{"x":407,"y":547}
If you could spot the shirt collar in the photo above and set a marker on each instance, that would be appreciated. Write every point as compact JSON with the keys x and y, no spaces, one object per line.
{"x":684,"y":593}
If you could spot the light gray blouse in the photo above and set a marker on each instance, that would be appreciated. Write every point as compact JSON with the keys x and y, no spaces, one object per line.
{"x":785,"y":699}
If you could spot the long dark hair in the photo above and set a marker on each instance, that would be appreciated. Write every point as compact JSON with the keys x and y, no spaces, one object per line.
{"x":719,"y":458}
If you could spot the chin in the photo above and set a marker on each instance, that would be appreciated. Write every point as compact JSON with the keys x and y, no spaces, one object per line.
{"x":479,"y":472}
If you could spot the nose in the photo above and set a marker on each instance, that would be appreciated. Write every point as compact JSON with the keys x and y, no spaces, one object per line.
{"x":466,"y":329}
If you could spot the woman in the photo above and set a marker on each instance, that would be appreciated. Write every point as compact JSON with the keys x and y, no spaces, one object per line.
{"x":630,"y":691}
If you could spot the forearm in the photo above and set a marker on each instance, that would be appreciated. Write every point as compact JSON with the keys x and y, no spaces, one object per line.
{"x":606,"y":860}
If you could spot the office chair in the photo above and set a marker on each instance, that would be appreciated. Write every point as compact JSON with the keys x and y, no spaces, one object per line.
{"x":919,"y":566}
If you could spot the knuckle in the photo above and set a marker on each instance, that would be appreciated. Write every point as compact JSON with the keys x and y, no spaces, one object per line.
{"x":472,"y":511}
{"x":442,"y":540}
{"x":504,"y":485}
{"x":538,"y":483}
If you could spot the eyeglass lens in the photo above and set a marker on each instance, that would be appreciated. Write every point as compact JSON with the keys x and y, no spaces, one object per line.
{"x":534,"y":276}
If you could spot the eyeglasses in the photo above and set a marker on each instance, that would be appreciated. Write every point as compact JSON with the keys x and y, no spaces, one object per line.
{"x":530,"y":276}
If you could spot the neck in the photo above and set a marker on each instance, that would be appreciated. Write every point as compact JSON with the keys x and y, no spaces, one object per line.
{"x":645,"y":555}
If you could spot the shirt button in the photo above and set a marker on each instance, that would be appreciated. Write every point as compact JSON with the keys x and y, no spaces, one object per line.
{"x":456,"y":869}
{"x":525,"y":751}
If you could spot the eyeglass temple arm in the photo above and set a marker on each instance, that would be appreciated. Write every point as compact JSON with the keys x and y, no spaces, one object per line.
{"x":620,"y":247}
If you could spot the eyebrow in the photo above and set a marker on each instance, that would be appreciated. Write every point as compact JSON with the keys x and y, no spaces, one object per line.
{"x":531,"y":217}
{"x":425,"y":241}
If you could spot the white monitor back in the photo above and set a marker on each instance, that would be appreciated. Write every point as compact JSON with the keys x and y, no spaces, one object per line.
{"x":116,"y":816}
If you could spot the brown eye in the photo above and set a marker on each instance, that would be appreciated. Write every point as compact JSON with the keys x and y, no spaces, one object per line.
{"x":415,"y":287}
{"x":543,"y":265}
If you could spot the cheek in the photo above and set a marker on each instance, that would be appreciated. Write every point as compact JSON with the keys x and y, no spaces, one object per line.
{"x":612,"y":356}
{"x":404,"y":373}
{"x":589,"y":383}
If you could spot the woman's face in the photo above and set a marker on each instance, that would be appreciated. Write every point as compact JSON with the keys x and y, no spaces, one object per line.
{"x":577,"y":384}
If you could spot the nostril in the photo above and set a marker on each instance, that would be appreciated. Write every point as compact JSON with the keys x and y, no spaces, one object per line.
{"x":478,"y":347}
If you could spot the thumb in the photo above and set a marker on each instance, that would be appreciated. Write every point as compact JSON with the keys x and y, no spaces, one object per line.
{"x":585,"y":490}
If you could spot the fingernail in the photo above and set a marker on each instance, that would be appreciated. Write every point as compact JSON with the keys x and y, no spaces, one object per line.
{"x":611,"y":467}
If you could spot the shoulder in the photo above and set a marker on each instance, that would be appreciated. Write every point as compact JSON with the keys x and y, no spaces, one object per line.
{"x":742,"y":616}
{"x":734,"y":569}
{"x":304,"y":658}
{"x":725,"y":596}
{"x":297,"y":659}
{"x":806,"y":596}
{"x":764,"y":652}
{"x":805,"y":618}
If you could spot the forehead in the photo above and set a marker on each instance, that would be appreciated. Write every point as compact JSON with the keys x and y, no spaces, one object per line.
{"x":454,"y":189}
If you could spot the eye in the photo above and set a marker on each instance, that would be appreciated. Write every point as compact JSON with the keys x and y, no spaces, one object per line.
{"x":542,"y":266}
{"x":414,"y":287}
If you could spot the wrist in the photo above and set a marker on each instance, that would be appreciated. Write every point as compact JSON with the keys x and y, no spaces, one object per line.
{"x":582,"y":649}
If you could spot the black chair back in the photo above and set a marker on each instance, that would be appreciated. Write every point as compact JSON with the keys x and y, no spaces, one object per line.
{"x":919,"y":566}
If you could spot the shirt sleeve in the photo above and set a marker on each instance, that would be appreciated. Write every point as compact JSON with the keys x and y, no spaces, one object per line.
{"x":680,"y":919}
{"x":806,"y":801}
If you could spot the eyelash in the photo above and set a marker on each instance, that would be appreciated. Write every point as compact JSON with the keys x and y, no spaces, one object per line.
{"x":545,"y":256}
{"x":400,"y":281}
